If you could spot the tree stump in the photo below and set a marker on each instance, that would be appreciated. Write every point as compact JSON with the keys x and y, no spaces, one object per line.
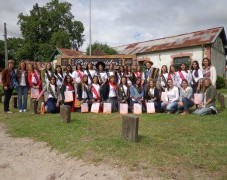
{"x":65,"y":113}
{"x":222,"y":101}
{"x":130,"y":126}
{"x":14,"y":102}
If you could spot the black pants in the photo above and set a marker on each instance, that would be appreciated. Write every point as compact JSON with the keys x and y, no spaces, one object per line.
{"x":7,"y":94}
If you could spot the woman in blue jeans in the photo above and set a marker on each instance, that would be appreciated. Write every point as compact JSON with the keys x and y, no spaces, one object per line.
{"x":22,"y":89}
{"x":186,"y":101}
{"x":208,"y":104}
{"x":171,"y":97}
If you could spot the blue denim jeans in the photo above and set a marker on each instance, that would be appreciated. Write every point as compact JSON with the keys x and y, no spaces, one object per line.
{"x":203,"y":111}
{"x":172,"y":106}
{"x":22,"y":93}
{"x":187,"y":103}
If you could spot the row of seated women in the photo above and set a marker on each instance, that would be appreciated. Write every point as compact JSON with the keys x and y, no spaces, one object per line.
{"x":174,"y":99}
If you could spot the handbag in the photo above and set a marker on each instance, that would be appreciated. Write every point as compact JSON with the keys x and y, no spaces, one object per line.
{"x":77,"y":103}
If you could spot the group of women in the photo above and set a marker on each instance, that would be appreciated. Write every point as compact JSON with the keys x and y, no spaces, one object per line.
{"x":171,"y":91}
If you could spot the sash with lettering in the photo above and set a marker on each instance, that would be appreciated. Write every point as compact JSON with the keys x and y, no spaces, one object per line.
{"x":80,"y":74}
{"x":122,"y":91}
{"x":36,"y":78}
{"x":48,"y":75}
{"x":59,"y":77}
{"x":95,"y":92}
{"x":52,"y":92}
{"x":113,"y":85}
{"x":138,"y":74}
{"x":89,"y":75}
{"x":181,"y":75}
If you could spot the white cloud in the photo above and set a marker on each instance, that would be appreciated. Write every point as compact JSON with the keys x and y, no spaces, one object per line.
{"x":126,"y":21}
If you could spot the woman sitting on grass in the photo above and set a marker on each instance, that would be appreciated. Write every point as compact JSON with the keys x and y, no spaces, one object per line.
{"x":153,"y":95}
{"x":186,"y":94}
{"x":68,"y":87}
{"x":52,"y":94}
{"x":208,"y":104}
{"x":171,"y":97}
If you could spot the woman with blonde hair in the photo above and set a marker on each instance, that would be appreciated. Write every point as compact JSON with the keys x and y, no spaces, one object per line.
{"x":208,"y":104}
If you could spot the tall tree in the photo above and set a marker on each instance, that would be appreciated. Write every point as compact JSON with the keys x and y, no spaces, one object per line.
{"x":99,"y":49}
{"x":48,"y":27}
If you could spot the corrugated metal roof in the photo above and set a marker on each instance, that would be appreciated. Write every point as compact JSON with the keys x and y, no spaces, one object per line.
{"x":184,"y":40}
{"x":69,"y":52}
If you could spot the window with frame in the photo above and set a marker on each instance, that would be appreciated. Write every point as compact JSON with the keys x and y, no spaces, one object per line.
{"x":177,"y":61}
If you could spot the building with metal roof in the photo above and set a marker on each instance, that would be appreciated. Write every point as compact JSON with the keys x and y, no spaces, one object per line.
{"x":211,"y":43}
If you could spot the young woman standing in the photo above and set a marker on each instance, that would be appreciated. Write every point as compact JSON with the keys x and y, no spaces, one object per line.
{"x":59,"y":76}
{"x":22,"y":89}
{"x":163,"y":77}
{"x":174,"y":76}
{"x":197,"y":75}
{"x":209,"y":71}
{"x":90,"y":72}
{"x":78,"y":74}
{"x":183,"y":73}
{"x":95,"y":90}
{"x":48,"y":73}
{"x":112,"y":93}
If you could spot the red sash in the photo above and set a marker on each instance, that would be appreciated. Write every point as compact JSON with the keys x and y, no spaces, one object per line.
{"x":170,"y":77}
{"x":113,"y":85}
{"x":70,"y":86}
{"x":36,"y":78}
{"x":181,"y":75}
{"x":95,"y":92}
{"x":138,"y":74}
{"x":79,"y":73}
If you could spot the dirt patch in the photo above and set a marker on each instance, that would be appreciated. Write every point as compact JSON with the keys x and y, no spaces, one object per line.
{"x":22,"y":158}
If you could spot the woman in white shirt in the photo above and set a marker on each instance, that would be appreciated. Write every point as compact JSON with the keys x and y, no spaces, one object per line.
{"x":77,"y":75}
{"x":22,"y":89}
{"x":112,"y":94}
{"x":183,"y":73}
{"x":209,"y":71}
{"x":59,"y":76}
{"x":163,"y":77}
{"x":90,"y":72}
{"x":69,"y":71}
{"x":95,"y":90}
{"x":53,"y":93}
{"x":197,"y":74}
{"x":48,"y":73}
{"x":129,"y":75}
{"x":102,"y":76}
{"x":171,"y":97}
{"x":174,"y":76}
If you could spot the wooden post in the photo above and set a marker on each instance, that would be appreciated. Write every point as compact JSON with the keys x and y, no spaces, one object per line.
{"x":130,"y":126}
{"x":35,"y":106}
{"x":219,"y":94}
{"x":65,"y":113}
{"x":222,"y":101}
{"x":14,"y":102}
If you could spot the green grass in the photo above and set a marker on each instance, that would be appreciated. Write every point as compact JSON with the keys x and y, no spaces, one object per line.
{"x":168,"y":143}
{"x":223,"y":91}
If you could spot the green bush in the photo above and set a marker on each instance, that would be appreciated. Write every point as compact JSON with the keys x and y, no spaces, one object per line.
{"x":220,"y":83}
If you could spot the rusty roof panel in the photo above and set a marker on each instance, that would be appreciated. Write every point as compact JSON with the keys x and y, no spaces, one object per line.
{"x":184,"y":40}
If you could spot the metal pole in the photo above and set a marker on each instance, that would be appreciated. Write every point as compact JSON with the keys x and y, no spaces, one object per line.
{"x":90,"y":28}
{"x":6,"y":50}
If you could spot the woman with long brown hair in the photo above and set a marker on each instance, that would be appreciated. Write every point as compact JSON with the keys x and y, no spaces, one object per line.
{"x":22,"y":89}
{"x":209,"y":71}
{"x":34,"y":80}
{"x":129,"y":75}
{"x":209,"y":94}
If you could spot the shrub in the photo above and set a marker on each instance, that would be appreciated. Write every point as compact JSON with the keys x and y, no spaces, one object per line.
{"x":220,"y":83}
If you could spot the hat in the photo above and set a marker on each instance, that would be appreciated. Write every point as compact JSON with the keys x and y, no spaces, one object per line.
{"x":147,"y":61}
{"x":100,"y":63}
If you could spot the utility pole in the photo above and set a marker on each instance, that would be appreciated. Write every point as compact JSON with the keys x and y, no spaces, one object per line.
{"x":6,"y":49}
{"x":90,"y":28}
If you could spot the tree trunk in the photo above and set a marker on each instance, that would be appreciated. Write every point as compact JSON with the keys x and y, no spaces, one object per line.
{"x":130,"y":126}
{"x":65,"y":113}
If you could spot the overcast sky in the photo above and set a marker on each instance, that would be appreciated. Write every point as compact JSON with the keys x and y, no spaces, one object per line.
{"x":119,"y":22}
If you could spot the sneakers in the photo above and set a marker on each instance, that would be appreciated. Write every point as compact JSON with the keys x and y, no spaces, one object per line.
{"x":24,"y":110}
{"x":20,"y":111}
{"x":9,"y":112}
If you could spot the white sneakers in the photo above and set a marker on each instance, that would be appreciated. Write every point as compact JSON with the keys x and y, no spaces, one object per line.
{"x":9,"y":112}
{"x":22,"y":110}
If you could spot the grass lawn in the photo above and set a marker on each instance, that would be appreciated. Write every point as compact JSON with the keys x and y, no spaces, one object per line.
{"x":192,"y":146}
